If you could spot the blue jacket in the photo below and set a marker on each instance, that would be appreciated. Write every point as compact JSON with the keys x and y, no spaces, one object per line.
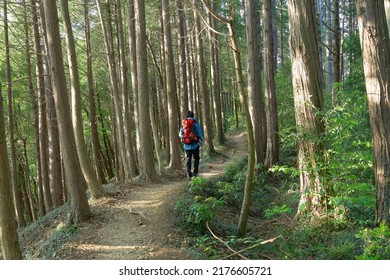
{"x":198,"y":133}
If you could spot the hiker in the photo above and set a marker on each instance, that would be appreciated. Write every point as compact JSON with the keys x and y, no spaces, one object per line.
{"x":191,"y":136}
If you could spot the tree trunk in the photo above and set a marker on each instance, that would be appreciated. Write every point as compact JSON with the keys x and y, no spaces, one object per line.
{"x":215,"y":77}
{"x":134,"y":74}
{"x":56,"y":177}
{"x":181,"y":42}
{"x":73,"y":173}
{"x":91,"y":98}
{"x":203,"y":92}
{"x":45,"y":92}
{"x":173,"y":120}
{"x":387,"y":9}
{"x":272,"y":150}
{"x":375,"y":44}
{"x":8,"y":233}
{"x":308,"y":102}
{"x":34,"y":105}
{"x":256,"y":102}
{"x":94,"y":186}
{"x":336,"y":49}
{"x":149,"y":170}
{"x":107,"y":33}
{"x":14,"y":175}
{"x":125,"y":95}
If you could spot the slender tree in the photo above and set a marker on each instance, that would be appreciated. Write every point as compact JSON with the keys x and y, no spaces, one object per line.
{"x":387,"y":9}
{"x":14,"y":175}
{"x":91,"y":99}
{"x":336,"y":48}
{"x":215,"y":76}
{"x":134,"y":74}
{"x":181,"y":42}
{"x":90,"y":176}
{"x":201,"y":71}
{"x":8,"y":233}
{"x":173,"y":114}
{"x":73,"y":173}
{"x":255,"y":98}
{"x":375,"y":44}
{"x":108,"y":40}
{"x":149,"y":170}
{"x":272,"y":150}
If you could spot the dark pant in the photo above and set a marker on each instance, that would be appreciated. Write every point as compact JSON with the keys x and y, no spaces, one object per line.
{"x":189,"y":154}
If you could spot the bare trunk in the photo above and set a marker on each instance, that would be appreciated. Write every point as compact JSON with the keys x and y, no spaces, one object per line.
{"x":94,"y":186}
{"x":255,"y":99}
{"x":74,"y":176}
{"x":336,"y":49}
{"x":181,"y":31}
{"x":149,"y":170}
{"x":308,"y":102}
{"x":134,"y":75}
{"x":215,"y":78}
{"x":114,"y":87}
{"x":91,"y":98}
{"x":203,"y":92}
{"x":173,"y":120}
{"x":127,"y":128}
{"x":14,"y":175}
{"x":374,"y":41}
{"x":8,"y":233}
{"x":272,"y":150}
{"x":35,"y":111}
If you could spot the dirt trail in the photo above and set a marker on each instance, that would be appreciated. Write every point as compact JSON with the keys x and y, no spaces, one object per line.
{"x":135,"y":221}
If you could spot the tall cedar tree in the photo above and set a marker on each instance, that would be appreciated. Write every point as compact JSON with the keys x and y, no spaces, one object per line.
{"x":73,"y":174}
{"x":375,"y":44}
{"x":308,"y":104}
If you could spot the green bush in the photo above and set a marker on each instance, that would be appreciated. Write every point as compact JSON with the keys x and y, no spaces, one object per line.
{"x":376,"y":243}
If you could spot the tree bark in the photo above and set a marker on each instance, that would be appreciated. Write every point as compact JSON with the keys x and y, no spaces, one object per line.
{"x":114,"y":87}
{"x":255,"y":99}
{"x":181,"y":42}
{"x":308,"y":102}
{"x":149,"y":170}
{"x":215,"y":77}
{"x":34,"y":105}
{"x":336,"y":49}
{"x":375,"y":44}
{"x":94,"y":186}
{"x":14,"y":175}
{"x":203,"y":92}
{"x":134,"y":75}
{"x":74,"y":176}
{"x":272,"y":150}
{"x":8,"y":232}
{"x":91,"y":99}
{"x":125,"y":95}
{"x":173,"y":114}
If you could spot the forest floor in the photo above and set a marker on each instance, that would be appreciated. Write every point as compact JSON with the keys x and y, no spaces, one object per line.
{"x":134,"y":221}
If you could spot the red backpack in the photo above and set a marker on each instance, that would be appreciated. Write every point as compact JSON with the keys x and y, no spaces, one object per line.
{"x":189,"y":132}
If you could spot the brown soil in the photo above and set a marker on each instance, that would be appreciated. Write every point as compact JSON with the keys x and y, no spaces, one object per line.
{"x":134,"y":221}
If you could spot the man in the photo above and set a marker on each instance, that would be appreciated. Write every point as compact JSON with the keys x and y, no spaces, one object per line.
{"x":191,"y":136}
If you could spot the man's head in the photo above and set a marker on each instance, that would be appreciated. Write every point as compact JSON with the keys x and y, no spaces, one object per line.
{"x":190,"y":114}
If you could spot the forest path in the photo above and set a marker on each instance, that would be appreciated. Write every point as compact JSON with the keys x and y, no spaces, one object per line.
{"x":135,"y":220}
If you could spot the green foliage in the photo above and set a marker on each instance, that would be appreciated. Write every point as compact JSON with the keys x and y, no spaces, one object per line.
{"x":277,"y":210}
{"x":198,"y":209}
{"x":207,"y":247}
{"x":285,"y":103}
{"x":349,"y":157}
{"x":376,"y":243}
